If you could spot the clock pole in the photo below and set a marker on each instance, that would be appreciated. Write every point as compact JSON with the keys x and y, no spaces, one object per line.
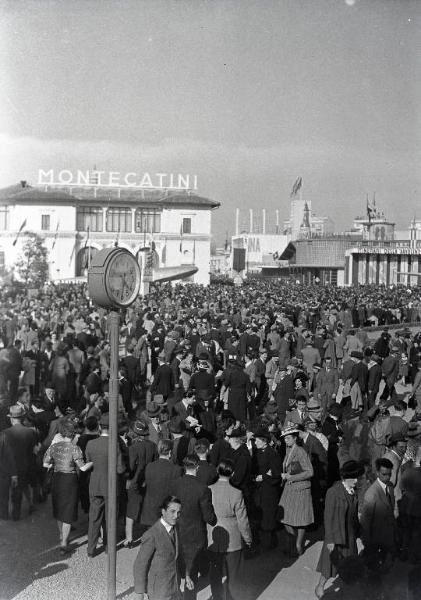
{"x":113,"y":283}
{"x":114,"y":330}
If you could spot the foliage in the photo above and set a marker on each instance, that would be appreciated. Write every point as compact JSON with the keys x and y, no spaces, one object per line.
{"x":32,"y":263}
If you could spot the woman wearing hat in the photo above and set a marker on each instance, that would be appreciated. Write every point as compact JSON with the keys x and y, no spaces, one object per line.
{"x":341,"y":524}
{"x":296,"y":499}
{"x":65,"y":457}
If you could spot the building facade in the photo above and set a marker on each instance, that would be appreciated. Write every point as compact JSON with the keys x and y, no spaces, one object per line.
{"x":77,"y":222}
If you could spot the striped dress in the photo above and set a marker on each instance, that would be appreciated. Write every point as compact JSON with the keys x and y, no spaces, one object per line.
{"x":296,"y":496}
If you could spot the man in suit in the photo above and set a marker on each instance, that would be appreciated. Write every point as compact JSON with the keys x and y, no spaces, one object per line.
{"x":21,"y":441}
{"x":390,"y":370}
{"x":299,"y":414}
{"x":395,"y":452}
{"x":359,"y":377}
{"x":225,"y":539}
{"x":163,"y":382}
{"x":14,"y":367}
{"x":374,"y":379}
{"x":377,"y":517}
{"x":8,"y":475}
{"x":97,"y":453}
{"x":206,"y":472}
{"x":159,"y":477}
{"x":327,"y":384}
{"x":196,"y":512}
{"x":156,"y":571}
{"x":283,"y":392}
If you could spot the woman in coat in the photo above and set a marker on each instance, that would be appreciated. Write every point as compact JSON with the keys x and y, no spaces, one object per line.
{"x":296,"y":499}
{"x":341,"y":524}
{"x":237,"y":382}
{"x":227,"y":537}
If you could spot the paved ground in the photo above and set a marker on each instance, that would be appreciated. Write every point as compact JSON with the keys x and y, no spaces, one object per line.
{"x":31,"y":568}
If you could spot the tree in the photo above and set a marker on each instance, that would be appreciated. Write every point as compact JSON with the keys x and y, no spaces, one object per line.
{"x":32,"y":264}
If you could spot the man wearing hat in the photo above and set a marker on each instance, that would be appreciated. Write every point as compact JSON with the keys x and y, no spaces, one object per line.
{"x":327,"y":384}
{"x":359,"y":378}
{"x":97,"y":453}
{"x":202,"y":382}
{"x":390,"y":370}
{"x":268,"y":476}
{"x":374,"y":379}
{"x":21,"y":441}
{"x":163,"y":382}
{"x":340,"y":524}
{"x":240,"y":456}
{"x":282,"y":390}
{"x":141,"y":452}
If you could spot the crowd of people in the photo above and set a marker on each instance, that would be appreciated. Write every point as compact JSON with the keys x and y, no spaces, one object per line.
{"x":249,"y":418}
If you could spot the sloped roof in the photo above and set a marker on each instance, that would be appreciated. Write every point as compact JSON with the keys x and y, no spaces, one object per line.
{"x":27,"y":194}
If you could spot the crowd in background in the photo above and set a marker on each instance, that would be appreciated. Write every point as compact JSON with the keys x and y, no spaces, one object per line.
{"x":249,"y":417}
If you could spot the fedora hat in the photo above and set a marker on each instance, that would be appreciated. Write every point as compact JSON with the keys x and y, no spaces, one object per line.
{"x":357,"y":354}
{"x":16,"y":412}
{"x":140,"y":428}
{"x":290,"y":430}
{"x":153,"y":409}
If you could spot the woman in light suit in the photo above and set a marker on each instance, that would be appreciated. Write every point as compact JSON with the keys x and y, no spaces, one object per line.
{"x":226,"y":537}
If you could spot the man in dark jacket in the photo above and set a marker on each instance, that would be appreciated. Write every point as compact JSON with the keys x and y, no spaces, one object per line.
{"x":374,"y":379}
{"x":390,"y":370}
{"x":97,"y":453}
{"x":196,"y":512}
{"x":14,"y":367}
{"x":21,"y":440}
{"x":159,"y":477}
{"x":163,"y":382}
{"x":283,"y":392}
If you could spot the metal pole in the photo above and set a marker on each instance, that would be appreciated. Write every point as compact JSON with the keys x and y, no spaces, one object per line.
{"x":114,"y":322}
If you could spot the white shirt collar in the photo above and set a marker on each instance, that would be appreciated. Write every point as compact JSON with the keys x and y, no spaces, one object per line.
{"x":169,"y":528}
{"x":349,"y":490}
{"x":383,"y":485}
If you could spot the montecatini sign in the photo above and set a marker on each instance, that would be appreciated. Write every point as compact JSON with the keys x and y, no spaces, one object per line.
{"x":174,"y":181}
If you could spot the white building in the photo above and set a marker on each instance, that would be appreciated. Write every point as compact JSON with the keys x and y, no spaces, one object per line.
{"x":76,"y":222}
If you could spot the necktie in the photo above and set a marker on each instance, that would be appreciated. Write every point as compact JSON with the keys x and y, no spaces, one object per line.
{"x":388,"y":496}
{"x":172,"y":535}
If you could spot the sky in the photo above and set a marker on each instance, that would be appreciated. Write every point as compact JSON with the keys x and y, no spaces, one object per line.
{"x":248,"y":95}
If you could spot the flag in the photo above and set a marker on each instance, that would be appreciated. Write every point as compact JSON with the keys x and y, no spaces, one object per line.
{"x":370,"y":210}
{"x":55,"y":236}
{"x":296,"y":187}
{"x":72,"y":254}
{"x":194,"y":252}
{"x":181,"y":236}
{"x":19,"y":232}
{"x":164,"y":252}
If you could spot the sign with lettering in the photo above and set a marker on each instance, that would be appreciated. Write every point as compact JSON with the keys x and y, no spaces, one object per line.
{"x":116,"y":179}
{"x":381,"y":250}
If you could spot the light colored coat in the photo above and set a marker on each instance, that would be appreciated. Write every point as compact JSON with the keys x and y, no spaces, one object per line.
{"x":233,"y":524}
{"x":377,"y":518}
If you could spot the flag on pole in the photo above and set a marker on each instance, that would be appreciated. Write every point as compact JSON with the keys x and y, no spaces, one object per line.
{"x":370,"y":210}
{"x":55,"y":236}
{"x":72,"y":254}
{"x":194,"y":252}
{"x":181,"y":237}
{"x":296,"y":187}
{"x":19,"y":232}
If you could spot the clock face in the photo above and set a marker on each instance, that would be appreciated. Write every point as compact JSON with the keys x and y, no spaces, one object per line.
{"x":122,"y":279}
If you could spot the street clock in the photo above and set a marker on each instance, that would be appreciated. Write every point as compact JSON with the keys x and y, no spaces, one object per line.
{"x":114,"y":278}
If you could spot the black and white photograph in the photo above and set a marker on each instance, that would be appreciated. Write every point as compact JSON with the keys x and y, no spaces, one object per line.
{"x":210,"y":299}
